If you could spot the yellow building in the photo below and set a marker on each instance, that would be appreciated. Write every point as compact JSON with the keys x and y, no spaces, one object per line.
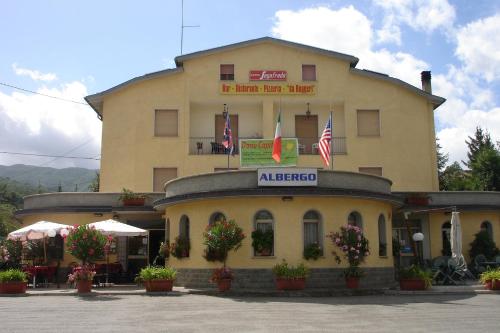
{"x":162,"y":134}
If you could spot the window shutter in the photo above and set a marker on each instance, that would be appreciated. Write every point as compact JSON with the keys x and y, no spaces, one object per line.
{"x":368,"y":123}
{"x":308,"y":72}
{"x":166,"y":123}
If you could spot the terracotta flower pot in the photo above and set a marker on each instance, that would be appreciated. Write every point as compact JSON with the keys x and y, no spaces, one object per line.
{"x":224,"y":284}
{"x":492,"y":285}
{"x":159,"y":285}
{"x":134,"y":202}
{"x":13,"y":287}
{"x":352,"y":282}
{"x":84,"y":286}
{"x":412,"y":284}
{"x":290,"y":284}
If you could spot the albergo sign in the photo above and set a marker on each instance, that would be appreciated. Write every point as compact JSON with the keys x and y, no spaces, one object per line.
{"x":287,"y":177}
{"x":265,"y":75}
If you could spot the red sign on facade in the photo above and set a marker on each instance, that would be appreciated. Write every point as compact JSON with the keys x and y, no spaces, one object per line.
{"x":262,"y":75}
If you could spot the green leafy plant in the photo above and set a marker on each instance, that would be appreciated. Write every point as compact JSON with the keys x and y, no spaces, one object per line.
{"x":157,"y":273}
{"x":127,"y":194}
{"x":13,"y":275}
{"x":312,"y":251}
{"x":354,"y":247}
{"x":86,"y":243}
{"x":286,"y":271}
{"x":180,"y":247}
{"x":263,"y":241}
{"x":11,"y":253}
{"x":483,"y":244}
{"x":490,"y":275}
{"x":213,"y":255}
{"x":415,"y":272}
{"x":222,"y":237}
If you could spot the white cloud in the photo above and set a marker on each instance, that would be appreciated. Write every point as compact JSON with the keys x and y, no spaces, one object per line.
{"x":34,"y":74}
{"x":349,"y":31}
{"x":420,"y":15}
{"x":478,"y":47}
{"x":41,"y":125}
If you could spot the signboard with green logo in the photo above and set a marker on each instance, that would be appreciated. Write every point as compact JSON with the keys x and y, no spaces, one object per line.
{"x":256,"y":153}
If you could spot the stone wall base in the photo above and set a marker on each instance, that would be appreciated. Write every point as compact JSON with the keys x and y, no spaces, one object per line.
{"x":323,"y":278}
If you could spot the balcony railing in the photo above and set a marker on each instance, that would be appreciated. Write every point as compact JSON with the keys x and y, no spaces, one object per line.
{"x":307,"y":146}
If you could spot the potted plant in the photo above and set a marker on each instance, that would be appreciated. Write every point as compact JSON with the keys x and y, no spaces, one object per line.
{"x":82,"y":276}
{"x":491,"y":279}
{"x":13,"y":281}
{"x":130,"y":198}
{"x":262,"y":242}
{"x":312,"y":251}
{"x":157,"y":278}
{"x":180,"y":247}
{"x":290,"y":277}
{"x":86,"y":244}
{"x":414,"y":278}
{"x":354,"y":247}
{"x":222,"y":237}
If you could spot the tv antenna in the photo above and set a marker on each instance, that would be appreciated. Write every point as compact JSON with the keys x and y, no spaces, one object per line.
{"x":184,"y":26}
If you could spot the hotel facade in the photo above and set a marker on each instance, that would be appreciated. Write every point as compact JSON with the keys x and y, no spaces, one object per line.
{"x":162,"y":135}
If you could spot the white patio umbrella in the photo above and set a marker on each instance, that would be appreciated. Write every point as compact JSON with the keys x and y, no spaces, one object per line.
{"x":38,"y":230}
{"x":115,"y":228}
{"x":456,"y":241}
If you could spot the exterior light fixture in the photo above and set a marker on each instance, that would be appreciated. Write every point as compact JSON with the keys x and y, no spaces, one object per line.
{"x":287,"y":198}
{"x":418,"y":237}
{"x":308,"y":112}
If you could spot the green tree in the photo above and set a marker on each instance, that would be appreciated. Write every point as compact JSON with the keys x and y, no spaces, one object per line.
{"x":453,"y":178}
{"x":7,"y":221}
{"x":483,"y":244}
{"x":442,"y":159}
{"x":96,"y":182}
{"x":485,"y":170}
{"x":475,"y":144}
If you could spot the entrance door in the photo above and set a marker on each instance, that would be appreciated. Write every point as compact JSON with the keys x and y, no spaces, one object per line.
{"x":155,"y":239}
{"x":306,"y":131}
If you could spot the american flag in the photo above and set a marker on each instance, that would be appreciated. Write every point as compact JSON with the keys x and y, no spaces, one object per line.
{"x":227,"y":141}
{"x":324,"y":142}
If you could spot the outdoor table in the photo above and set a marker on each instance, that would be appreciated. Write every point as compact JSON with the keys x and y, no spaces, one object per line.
{"x":36,"y":270}
{"x":491,"y":263}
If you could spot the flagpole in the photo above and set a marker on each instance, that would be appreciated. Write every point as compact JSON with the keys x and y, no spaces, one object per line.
{"x":331,"y":141}
{"x":228,"y":150}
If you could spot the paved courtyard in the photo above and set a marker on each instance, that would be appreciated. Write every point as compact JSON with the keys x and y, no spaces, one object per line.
{"x":200,"y":313}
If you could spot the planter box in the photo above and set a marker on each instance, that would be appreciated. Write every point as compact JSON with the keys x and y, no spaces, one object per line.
{"x":290,"y":284}
{"x":84,"y":286}
{"x":14,"y":287}
{"x":412,"y":284}
{"x":492,"y":285}
{"x":159,"y":285}
{"x":134,"y":202}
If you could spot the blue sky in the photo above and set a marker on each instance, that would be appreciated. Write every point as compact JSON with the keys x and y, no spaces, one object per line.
{"x":70,"y":49}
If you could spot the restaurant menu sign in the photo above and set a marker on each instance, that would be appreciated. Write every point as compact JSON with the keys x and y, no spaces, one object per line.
{"x":255,"y":153}
{"x":268,"y":88}
{"x":263,"y":75}
{"x":287,"y":177}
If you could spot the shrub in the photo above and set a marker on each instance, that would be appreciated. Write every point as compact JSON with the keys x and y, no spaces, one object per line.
{"x":127,"y":194}
{"x":263,"y":241}
{"x":222,"y":237}
{"x":82,"y":273}
{"x":221,"y":274}
{"x":286,"y":271}
{"x":483,"y":244}
{"x":13,"y":275}
{"x":11,"y":253}
{"x":489,"y":275}
{"x":354,"y":247}
{"x":157,"y":273}
{"x":180,"y":247}
{"x":86,"y":243}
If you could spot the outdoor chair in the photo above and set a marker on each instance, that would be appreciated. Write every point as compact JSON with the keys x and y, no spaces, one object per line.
{"x":439,"y":269}
{"x":479,"y":266}
{"x":456,"y":271}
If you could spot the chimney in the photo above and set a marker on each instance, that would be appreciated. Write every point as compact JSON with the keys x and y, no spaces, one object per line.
{"x":426,"y":81}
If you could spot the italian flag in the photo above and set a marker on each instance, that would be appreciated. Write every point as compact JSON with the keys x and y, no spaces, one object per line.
{"x":277,"y":141}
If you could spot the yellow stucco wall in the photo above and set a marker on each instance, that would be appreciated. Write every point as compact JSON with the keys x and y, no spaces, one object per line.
{"x":471,"y":224}
{"x":287,"y":227}
{"x":405,"y":149}
{"x":69,"y":219}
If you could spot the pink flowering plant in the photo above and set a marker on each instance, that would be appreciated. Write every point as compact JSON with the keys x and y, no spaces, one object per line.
{"x":82,"y":273}
{"x":354,"y":247}
{"x":222,"y":237}
{"x":221,"y":274}
{"x":86,"y":243}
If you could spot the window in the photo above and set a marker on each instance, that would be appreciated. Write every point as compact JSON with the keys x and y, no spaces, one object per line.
{"x":488,"y":227}
{"x":55,"y":247}
{"x":217,"y":216}
{"x":445,"y":237}
{"x":368,"y":123}
{"x":263,"y":236}
{"x":166,"y":123}
{"x":227,"y":72}
{"x":161,"y":176}
{"x":308,"y":72}
{"x":306,"y":131}
{"x":382,"y":239}
{"x":377,"y":171}
{"x":183,"y":242}
{"x":355,"y":219}
{"x":312,"y":230}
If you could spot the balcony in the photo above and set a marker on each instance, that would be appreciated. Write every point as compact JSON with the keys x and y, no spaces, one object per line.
{"x":307,"y":146}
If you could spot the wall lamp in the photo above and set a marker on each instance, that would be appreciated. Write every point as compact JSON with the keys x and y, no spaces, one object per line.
{"x":97,"y":214}
{"x":287,"y":198}
{"x":308,"y":112}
